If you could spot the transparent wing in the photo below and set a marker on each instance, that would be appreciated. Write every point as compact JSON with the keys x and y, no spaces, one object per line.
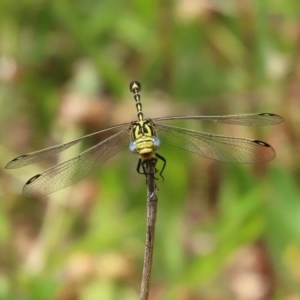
{"x":72,"y":170}
{"x":33,"y":157}
{"x":244,"y":119}
{"x":217,"y":147}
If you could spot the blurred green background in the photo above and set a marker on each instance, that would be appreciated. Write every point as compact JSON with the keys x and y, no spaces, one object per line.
{"x":224,"y":231}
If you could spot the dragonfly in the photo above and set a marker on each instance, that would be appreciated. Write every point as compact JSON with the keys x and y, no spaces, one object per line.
{"x":144,"y":137}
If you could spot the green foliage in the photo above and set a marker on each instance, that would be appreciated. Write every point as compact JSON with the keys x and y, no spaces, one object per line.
{"x":65,"y":67}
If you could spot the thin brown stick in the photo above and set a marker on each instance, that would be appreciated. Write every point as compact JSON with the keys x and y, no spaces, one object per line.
{"x":150,"y":233}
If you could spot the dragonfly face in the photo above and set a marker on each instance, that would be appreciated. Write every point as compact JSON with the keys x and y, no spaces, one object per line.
{"x":142,"y":136}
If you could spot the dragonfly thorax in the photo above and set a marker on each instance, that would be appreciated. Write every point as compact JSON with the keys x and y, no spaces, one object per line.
{"x":142,"y":128}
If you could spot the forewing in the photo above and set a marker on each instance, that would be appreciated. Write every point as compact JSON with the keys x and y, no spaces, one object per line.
{"x":33,"y":157}
{"x":73,"y":170}
{"x":217,"y":147}
{"x":243,"y":119}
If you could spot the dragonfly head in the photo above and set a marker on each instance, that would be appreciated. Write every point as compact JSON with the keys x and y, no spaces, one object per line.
{"x":145,"y":146}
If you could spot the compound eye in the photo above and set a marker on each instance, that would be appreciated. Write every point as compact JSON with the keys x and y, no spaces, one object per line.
{"x":132,"y":146}
{"x":156,"y":142}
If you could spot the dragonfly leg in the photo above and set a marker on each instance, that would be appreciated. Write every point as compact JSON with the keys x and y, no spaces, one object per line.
{"x":141,"y":168}
{"x":164,"y":164}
